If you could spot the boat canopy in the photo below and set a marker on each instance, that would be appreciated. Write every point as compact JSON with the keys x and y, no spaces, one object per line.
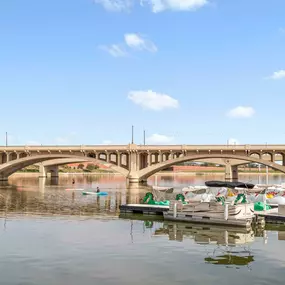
{"x":229,"y":184}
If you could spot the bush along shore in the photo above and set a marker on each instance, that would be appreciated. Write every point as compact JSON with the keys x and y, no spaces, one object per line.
{"x":81,"y":168}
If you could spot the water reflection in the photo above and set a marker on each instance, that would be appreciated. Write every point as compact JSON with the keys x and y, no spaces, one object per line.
{"x":231,"y":259}
{"x":206,"y":234}
{"x":29,"y":195}
{"x":225,"y":246}
{"x":231,"y":244}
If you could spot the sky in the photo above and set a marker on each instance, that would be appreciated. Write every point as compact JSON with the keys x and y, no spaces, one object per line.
{"x":82,"y":72}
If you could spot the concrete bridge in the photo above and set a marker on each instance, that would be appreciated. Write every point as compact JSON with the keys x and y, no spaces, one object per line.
{"x":138,"y":162}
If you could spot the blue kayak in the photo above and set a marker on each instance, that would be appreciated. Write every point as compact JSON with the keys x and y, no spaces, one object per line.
{"x":95,"y":193}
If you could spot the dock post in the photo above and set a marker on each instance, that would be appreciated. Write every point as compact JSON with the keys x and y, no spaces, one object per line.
{"x":226,"y":237}
{"x":267,"y":175}
{"x":175,"y":210}
{"x":265,"y":237}
{"x":264,"y":201}
{"x":226,"y":213}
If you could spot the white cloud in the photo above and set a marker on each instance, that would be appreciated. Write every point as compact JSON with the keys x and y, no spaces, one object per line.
{"x":159,"y":139}
{"x":152,"y":100}
{"x":156,"y":5}
{"x":176,"y":5}
{"x":131,"y":41}
{"x":241,"y":112}
{"x":106,"y":142}
{"x":139,"y":42}
{"x":278,"y":75}
{"x":115,"y":50}
{"x":115,"y":5}
{"x":233,"y":141}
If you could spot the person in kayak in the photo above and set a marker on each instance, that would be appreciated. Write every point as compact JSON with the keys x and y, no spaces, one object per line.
{"x":98,"y":190}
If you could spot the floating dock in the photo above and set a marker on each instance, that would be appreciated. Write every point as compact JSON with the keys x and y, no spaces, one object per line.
{"x":186,"y":217}
{"x":143,"y":209}
{"x":272,"y":216}
{"x":167,"y":214}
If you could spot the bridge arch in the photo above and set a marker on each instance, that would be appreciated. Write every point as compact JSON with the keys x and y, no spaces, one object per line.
{"x":255,"y":154}
{"x":268,"y":155}
{"x":113,"y":157}
{"x":177,"y":154}
{"x":13,"y":156}
{"x":149,"y":171}
{"x":11,"y":167}
{"x":62,"y":161}
{"x":282,"y":155}
{"x":23,"y":154}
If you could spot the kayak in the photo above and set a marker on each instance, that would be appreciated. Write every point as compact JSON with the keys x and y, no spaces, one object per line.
{"x":95,"y":193}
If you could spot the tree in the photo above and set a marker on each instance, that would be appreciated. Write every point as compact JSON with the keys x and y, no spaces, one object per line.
{"x":91,"y":166}
{"x":80,"y":166}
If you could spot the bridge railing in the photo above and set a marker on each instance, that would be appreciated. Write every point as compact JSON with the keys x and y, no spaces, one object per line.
{"x":251,"y":147}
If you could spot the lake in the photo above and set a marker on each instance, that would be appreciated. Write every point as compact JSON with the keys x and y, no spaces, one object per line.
{"x":53,"y":236}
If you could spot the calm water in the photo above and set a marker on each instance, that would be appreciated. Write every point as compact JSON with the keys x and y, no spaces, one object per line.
{"x":52,"y":236}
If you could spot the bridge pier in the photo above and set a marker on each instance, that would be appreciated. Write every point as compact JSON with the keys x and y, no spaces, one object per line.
{"x":234,"y":173}
{"x":44,"y":170}
{"x":231,"y":172}
{"x":133,"y":178}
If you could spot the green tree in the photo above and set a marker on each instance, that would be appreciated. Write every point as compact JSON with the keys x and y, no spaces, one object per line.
{"x":91,"y":166}
{"x":80,"y":166}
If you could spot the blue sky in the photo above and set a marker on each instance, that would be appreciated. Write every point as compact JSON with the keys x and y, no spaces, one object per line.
{"x":186,"y":71}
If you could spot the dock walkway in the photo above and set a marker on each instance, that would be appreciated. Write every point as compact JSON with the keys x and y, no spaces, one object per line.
{"x":143,"y":209}
{"x":270,"y":216}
